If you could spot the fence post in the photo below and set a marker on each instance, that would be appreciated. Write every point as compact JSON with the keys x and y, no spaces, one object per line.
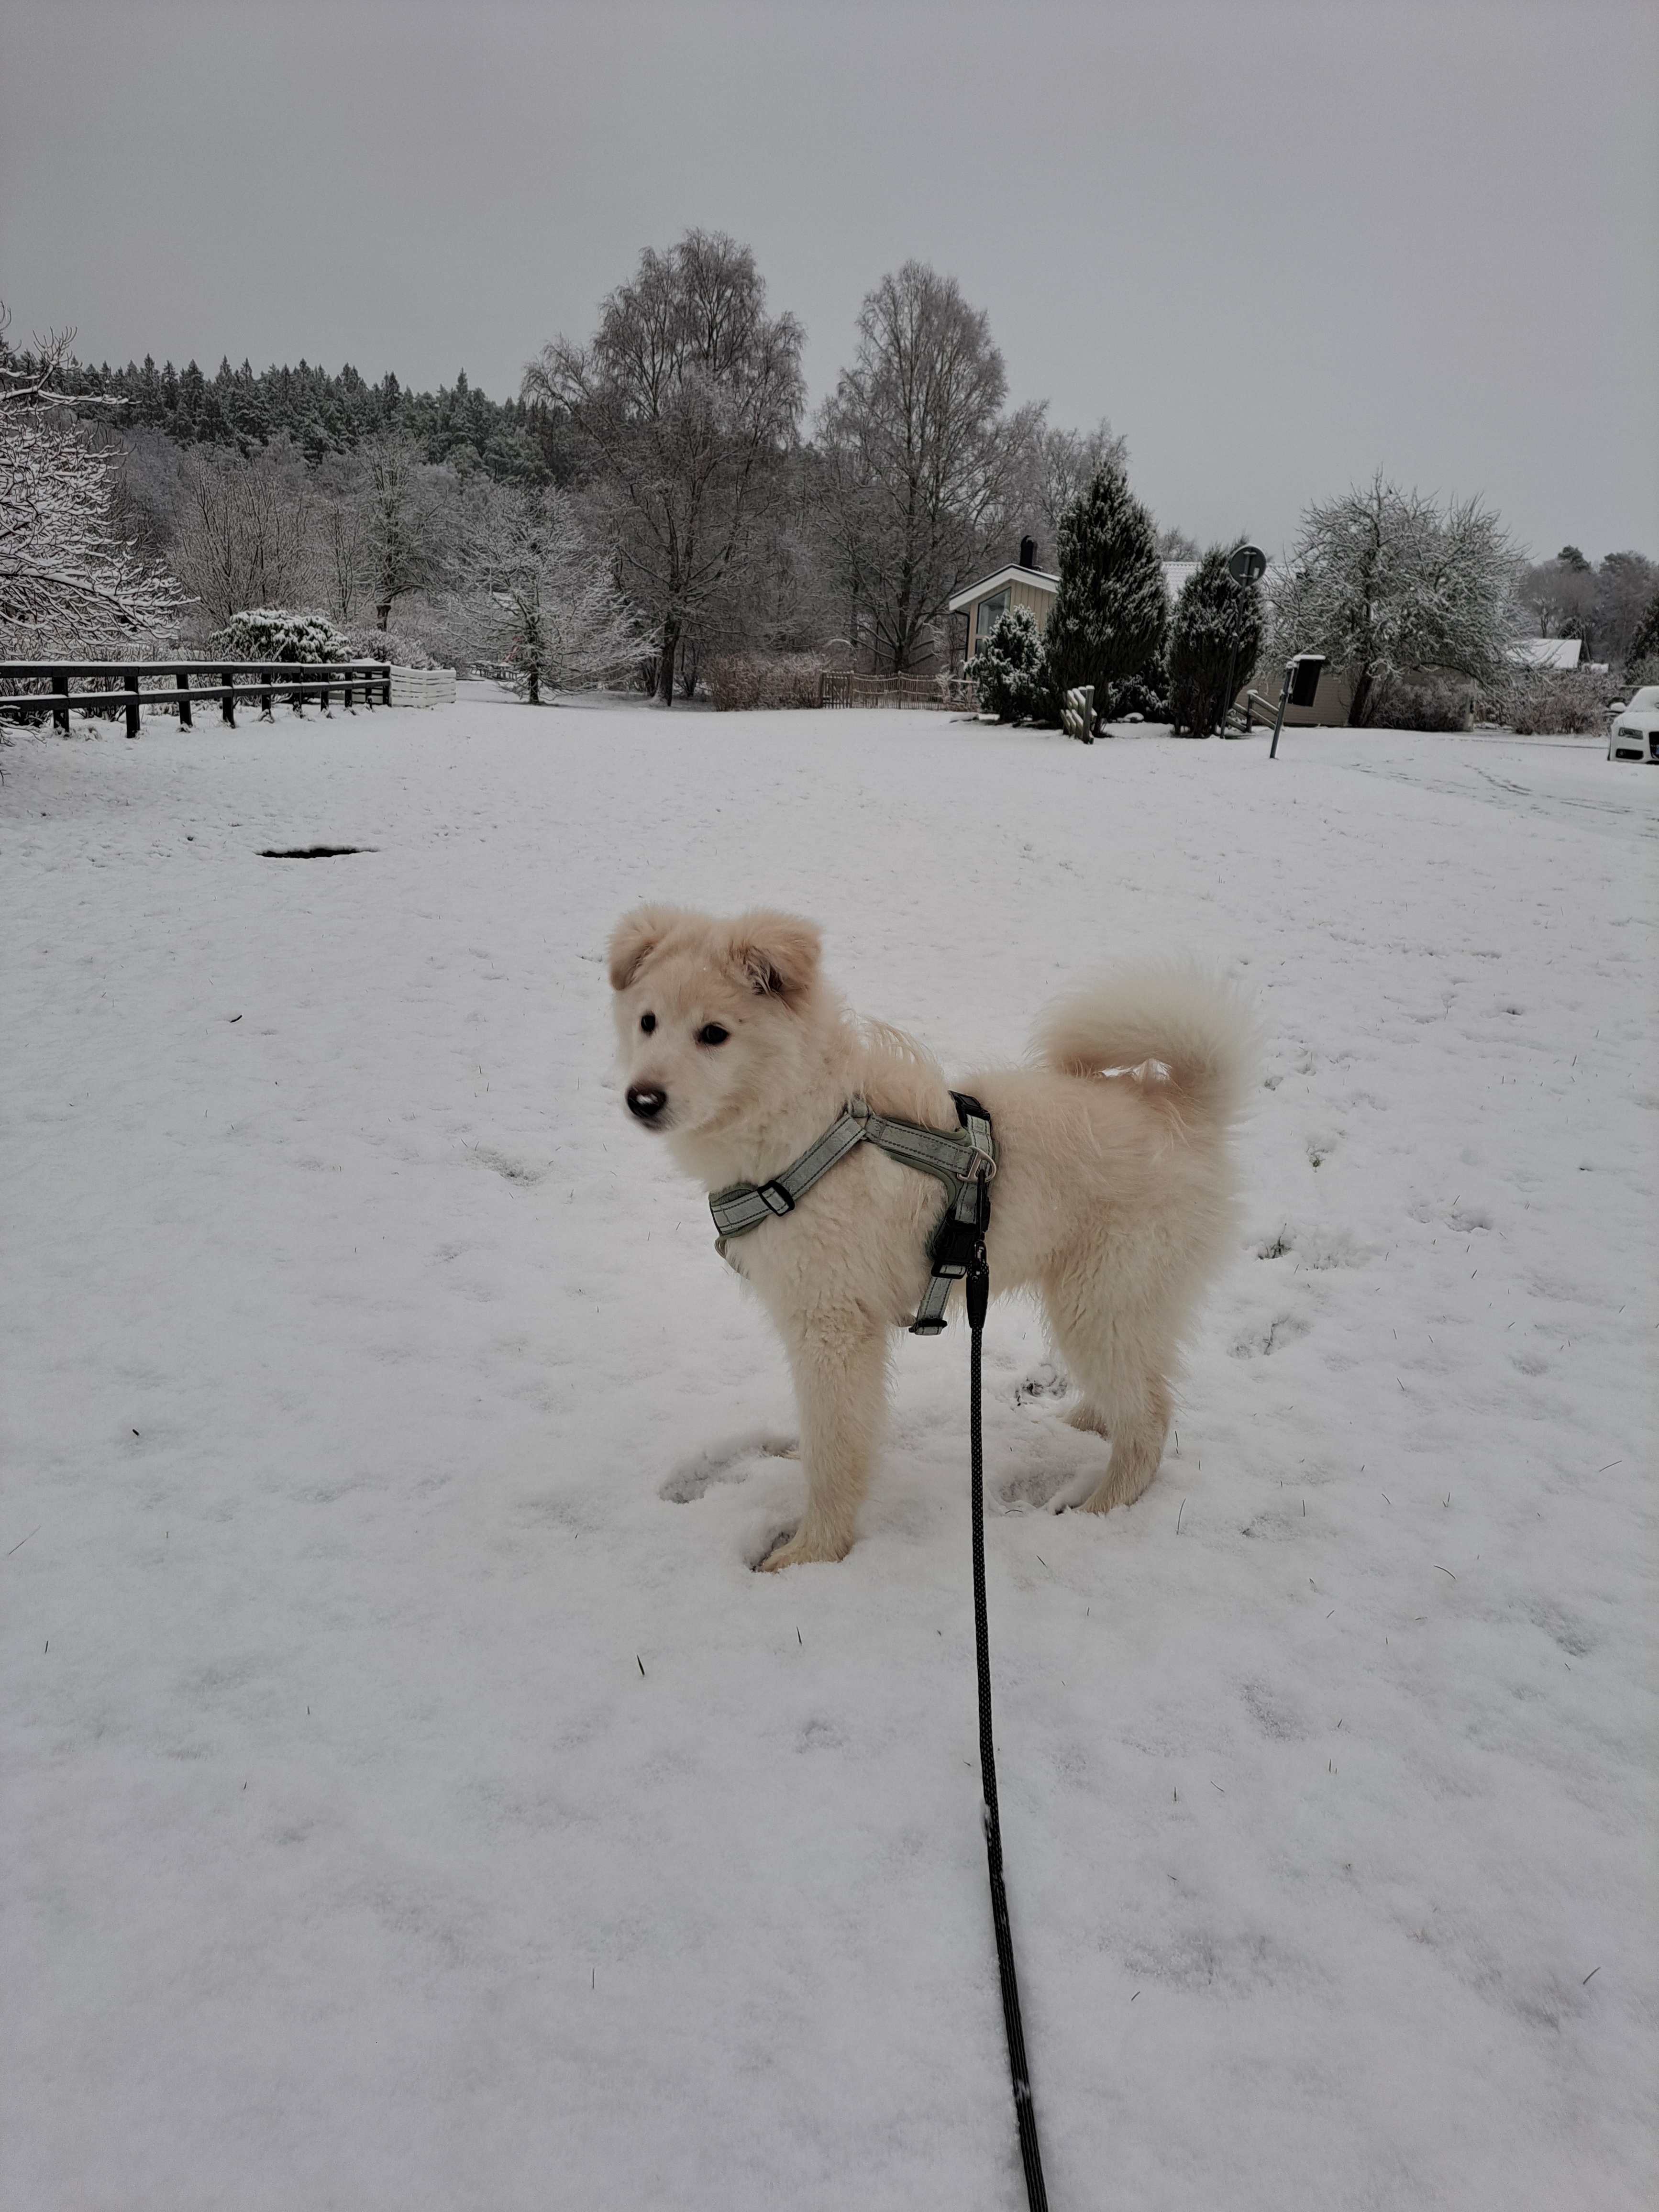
{"x":266,"y":711}
{"x":128,"y":678}
{"x":60,"y":714}
{"x":184,"y":722}
{"x":228,"y":704}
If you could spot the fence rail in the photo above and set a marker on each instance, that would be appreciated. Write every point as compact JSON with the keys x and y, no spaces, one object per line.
{"x":840,"y":687}
{"x":224,"y":681}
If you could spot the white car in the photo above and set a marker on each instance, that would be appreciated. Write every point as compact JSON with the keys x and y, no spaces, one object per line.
{"x":1635,"y":732}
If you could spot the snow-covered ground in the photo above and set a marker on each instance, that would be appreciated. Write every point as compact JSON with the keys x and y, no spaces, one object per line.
{"x":411,"y":1798}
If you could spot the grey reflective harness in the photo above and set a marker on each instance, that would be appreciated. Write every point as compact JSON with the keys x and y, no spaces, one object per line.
{"x":964,"y":1160}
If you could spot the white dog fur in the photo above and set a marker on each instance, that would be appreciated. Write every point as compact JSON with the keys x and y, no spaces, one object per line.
{"x":1114,"y":1199}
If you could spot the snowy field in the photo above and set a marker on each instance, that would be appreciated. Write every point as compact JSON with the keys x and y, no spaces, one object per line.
{"x":412,"y":1800}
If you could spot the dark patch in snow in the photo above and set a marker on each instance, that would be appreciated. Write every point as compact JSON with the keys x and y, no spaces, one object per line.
{"x":1560,"y":1625}
{"x":312,"y":852}
{"x":1272,"y":1715}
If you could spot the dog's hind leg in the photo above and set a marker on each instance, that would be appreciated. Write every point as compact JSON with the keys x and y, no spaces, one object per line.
{"x":1139,"y":1426}
{"x":1124,"y":1393}
{"x":840,"y":1388}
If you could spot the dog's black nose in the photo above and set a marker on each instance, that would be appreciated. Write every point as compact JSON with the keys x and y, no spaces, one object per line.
{"x":645,"y":1100}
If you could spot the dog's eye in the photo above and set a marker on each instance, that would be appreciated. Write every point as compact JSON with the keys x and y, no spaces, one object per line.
{"x":713,"y":1034}
{"x":648,"y":1023}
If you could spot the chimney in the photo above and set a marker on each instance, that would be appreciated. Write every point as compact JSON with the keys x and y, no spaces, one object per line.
{"x":1027,"y":552}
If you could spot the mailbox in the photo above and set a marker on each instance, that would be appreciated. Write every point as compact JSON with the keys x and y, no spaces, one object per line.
{"x":1304,"y":677}
{"x":1301,"y":676}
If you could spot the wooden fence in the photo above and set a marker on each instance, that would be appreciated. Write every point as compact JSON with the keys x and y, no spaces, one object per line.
{"x":839,"y":687}
{"x":183,"y":684}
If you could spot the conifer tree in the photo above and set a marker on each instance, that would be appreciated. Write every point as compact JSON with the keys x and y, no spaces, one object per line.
{"x":1644,"y":644}
{"x":1111,"y":612}
{"x":1216,"y":626}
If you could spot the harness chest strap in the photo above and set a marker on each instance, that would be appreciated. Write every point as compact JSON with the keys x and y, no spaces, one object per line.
{"x":964,"y":1160}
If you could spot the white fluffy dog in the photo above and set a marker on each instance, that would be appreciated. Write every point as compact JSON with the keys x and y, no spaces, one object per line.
{"x":1113,"y":1201}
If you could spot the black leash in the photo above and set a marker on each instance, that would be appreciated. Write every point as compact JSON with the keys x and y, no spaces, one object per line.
{"x":978,"y":1290}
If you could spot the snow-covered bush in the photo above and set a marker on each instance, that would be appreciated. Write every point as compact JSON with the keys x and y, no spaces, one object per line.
{"x":739,"y":682}
{"x":281,"y":633}
{"x":1147,"y":696}
{"x":1547,"y":701}
{"x":401,"y":647}
{"x":1427,"y":702}
{"x":1010,"y":671}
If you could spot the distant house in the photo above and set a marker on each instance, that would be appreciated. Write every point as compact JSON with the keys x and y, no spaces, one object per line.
{"x":1022,"y":583}
{"x":1546,"y":652}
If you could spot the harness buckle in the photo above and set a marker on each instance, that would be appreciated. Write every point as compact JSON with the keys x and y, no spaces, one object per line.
{"x":774,"y":1198}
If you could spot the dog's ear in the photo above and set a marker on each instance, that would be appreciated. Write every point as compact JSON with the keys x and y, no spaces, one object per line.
{"x":777,"y":954}
{"x":635,"y":938}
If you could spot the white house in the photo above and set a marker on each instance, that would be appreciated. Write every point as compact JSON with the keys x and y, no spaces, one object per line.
{"x":1022,"y":583}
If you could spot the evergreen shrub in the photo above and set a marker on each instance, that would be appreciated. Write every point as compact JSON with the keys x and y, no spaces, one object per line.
{"x":281,"y":633}
{"x":1111,"y":613}
{"x":1217,"y":624}
{"x":1009,"y":670}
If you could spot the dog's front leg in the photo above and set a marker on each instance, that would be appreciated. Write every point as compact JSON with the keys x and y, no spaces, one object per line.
{"x":841,"y":1388}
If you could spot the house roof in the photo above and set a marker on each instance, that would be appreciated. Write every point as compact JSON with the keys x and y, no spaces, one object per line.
{"x":1175,"y":573}
{"x":1546,"y":652}
{"x":1014,"y":573}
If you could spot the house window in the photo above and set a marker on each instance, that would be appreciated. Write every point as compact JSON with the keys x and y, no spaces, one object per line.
{"x":990,"y":613}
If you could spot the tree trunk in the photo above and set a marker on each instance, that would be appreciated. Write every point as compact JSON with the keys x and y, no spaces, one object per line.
{"x":671,"y":641}
{"x":383,"y":613}
{"x":1362,"y":692}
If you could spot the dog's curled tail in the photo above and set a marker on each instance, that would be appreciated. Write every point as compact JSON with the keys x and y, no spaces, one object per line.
{"x":1198,"y":1028}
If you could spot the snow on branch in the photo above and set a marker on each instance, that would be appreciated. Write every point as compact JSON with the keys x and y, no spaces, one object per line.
{"x":68,"y":579}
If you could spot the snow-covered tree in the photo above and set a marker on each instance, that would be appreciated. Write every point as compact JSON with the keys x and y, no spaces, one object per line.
{"x":1111,"y":612}
{"x":544,"y":599}
{"x":1383,"y":581}
{"x":69,"y":581}
{"x":1009,"y":670}
{"x":1216,"y":626}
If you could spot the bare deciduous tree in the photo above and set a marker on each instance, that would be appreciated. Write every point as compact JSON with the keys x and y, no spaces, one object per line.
{"x":687,"y":403}
{"x":399,"y":509}
{"x":1383,"y":582}
{"x":917,"y":458}
{"x":540,"y":594}
{"x":242,"y":536}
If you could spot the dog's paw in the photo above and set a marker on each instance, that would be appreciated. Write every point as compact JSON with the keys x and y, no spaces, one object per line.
{"x":797,"y":1549}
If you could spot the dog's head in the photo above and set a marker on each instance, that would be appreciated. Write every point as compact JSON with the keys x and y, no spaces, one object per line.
{"x":710,"y":1015}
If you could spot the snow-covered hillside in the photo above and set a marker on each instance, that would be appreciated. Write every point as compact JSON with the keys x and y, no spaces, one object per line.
{"x":412,"y":1800}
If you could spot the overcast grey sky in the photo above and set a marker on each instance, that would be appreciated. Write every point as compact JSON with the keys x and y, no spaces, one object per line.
{"x":1279,"y":243}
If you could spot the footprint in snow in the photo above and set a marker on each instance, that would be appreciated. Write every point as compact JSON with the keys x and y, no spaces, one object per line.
{"x":732,"y":1461}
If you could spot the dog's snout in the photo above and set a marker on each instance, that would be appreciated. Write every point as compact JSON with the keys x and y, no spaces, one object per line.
{"x":646,"y":1101}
